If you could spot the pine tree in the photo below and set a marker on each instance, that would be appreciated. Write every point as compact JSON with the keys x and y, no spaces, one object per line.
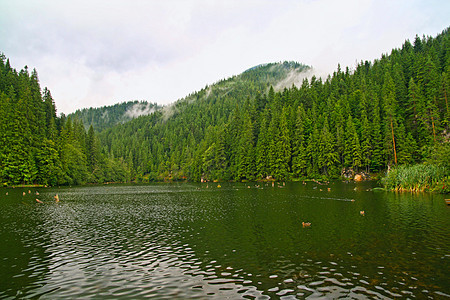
{"x":283,"y":146}
{"x":366,"y":144}
{"x":246,"y":155}
{"x":327,"y":156}
{"x":299,"y":159}
{"x":93,"y":151}
{"x":390,"y":106}
{"x":262,"y":147}
{"x":312,"y":153}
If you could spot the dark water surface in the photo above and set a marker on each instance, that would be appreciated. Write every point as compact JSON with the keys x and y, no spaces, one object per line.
{"x":179,"y":241}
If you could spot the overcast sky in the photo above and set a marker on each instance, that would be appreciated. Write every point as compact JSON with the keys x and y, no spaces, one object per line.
{"x":100,"y":52}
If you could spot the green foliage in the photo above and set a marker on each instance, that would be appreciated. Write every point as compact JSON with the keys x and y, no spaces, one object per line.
{"x":352,"y":119}
{"x":101,"y":118}
{"x":417,"y":178}
{"x":37,"y":147}
{"x":251,"y":126}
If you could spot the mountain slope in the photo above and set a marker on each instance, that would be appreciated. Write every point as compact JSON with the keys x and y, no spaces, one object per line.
{"x":392,"y":111}
{"x":386,"y":112}
{"x":251,"y":81}
{"x":107,"y":116}
{"x":179,"y":127}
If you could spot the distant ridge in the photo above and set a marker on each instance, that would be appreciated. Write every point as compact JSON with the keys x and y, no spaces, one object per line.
{"x":107,"y":116}
{"x":260,"y":78}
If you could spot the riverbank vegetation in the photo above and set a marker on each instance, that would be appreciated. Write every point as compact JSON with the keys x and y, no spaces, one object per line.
{"x":432,"y":175}
{"x":254,"y":126}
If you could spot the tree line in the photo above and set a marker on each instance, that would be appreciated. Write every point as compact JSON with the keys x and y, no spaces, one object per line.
{"x":384,"y":113}
{"x":37,"y":147}
{"x":388,"y":112}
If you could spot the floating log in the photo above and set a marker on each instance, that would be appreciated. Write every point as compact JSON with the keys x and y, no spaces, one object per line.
{"x":447,"y":201}
{"x":39,"y":201}
{"x":306,"y":224}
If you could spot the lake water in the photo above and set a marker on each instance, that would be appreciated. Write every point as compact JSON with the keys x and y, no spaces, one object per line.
{"x":178,"y":241}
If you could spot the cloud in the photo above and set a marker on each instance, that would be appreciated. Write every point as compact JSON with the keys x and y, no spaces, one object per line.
{"x":139,"y":109}
{"x":98,"y":52}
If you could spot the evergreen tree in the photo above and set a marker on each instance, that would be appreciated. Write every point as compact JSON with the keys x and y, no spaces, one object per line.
{"x":390,"y":106}
{"x":327,"y":156}
{"x":352,"y":148}
{"x":262,"y":147}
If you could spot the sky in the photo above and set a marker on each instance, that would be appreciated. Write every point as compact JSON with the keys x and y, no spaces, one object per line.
{"x":91,"y":53}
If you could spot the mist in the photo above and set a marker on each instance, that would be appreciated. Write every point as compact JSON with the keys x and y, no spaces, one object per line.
{"x":89,"y":53}
{"x":140,"y":109}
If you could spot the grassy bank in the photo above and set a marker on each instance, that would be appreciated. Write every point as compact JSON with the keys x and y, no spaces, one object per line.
{"x":418,"y":178}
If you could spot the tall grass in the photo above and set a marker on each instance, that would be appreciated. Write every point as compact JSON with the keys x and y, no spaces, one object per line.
{"x":418,"y":178}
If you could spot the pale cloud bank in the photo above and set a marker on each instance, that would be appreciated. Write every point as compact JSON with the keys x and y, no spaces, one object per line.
{"x":93,"y":53}
{"x":139,"y":109}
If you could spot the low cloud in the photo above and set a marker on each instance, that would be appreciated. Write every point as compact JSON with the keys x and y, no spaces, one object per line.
{"x":94,"y":53}
{"x":139,"y":109}
{"x":294,"y":77}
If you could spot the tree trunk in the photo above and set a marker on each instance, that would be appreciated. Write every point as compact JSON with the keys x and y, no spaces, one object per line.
{"x":393,"y":141}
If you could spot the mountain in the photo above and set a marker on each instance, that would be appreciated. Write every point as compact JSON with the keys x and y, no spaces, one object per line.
{"x":259,"y":125}
{"x":279,"y":75}
{"x":273,"y":121}
{"x":255,"y":80}
{"x":107,"y":116}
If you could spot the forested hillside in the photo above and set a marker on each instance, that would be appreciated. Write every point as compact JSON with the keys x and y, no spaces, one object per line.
{"x":107,"y":116}
{"x":256,"y":125}
{"x":383,"y":113}
{"x":164,"y":145}
{"x":36,"y":146}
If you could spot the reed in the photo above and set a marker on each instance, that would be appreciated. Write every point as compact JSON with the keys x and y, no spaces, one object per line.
{"x":417,"y":178}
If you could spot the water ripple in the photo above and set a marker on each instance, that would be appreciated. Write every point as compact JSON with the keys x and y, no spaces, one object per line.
{"x":186,"y":241}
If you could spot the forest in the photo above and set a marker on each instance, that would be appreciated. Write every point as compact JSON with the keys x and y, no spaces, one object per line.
{"x":37,"y":147}
{"x":382,"y":114}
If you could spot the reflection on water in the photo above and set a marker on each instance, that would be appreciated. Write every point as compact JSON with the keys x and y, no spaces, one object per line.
{"x":237,"y":241}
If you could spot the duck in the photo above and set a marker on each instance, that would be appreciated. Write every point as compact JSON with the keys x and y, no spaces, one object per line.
{"x":56,"y":198}
{"x":306,"y":224}
{"x":37,"y":193}
{"x":361,"y":213}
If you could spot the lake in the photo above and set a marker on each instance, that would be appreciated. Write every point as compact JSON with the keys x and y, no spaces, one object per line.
{"x":181,"y":240}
